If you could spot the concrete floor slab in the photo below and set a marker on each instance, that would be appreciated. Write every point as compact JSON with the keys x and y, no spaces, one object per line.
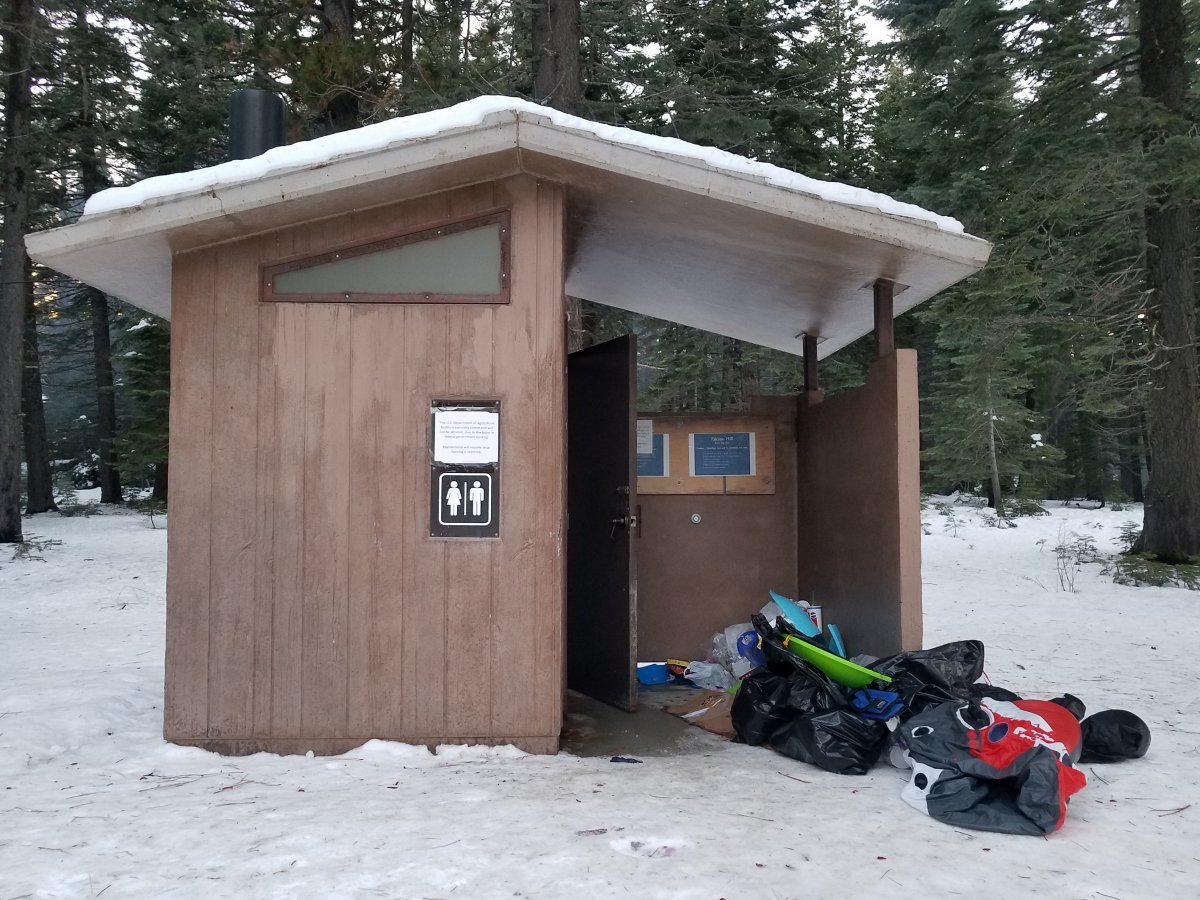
{"x":593,"y":728}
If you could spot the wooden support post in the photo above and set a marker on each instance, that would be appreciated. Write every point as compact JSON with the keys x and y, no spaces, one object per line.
{"x":885,"y":327}
{"x":812,"y":381}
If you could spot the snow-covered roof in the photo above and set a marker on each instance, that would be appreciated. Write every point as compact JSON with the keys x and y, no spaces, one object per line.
{"x":658,"y":225}
{"x":407,"y":129}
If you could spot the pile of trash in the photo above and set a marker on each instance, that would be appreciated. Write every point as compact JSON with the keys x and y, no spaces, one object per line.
{"x":981,"y":756}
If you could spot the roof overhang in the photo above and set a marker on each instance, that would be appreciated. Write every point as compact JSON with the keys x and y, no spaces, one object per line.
{"x":654,"y":226}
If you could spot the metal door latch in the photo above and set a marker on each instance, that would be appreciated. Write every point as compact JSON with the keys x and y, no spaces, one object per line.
{"x":618,"y":522}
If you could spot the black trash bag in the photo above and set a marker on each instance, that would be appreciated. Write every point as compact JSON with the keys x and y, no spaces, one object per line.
{"x":781,"y":661}
{"x":799,"y":711}
{"x":759,"y":707}
{"x":928,"y":678}
{"x":765,"y":701}
{"x":778,"y":658}
{"x":836,"y":740}
{"x":1112,"y":736}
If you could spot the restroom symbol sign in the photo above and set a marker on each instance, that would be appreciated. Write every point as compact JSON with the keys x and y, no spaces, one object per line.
{"x":464,"y":499}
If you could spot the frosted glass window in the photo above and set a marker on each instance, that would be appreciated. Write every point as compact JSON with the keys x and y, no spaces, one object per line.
{"x":465,"y":264}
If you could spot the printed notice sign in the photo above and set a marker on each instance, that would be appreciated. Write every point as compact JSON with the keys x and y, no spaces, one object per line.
{"x":464,"y":472}
{"x":655,"y":463}
{"x":645,"y":436}
{"x":466,"y":437}
{"x":730,"y":453}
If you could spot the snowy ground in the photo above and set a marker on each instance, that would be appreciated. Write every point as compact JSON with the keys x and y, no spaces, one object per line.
{"x":94,"y":803}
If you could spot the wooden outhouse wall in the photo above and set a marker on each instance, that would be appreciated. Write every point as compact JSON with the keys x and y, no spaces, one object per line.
{"x":307,"y":606}
{"x":695,"y":579}
{"x":859,"y":514}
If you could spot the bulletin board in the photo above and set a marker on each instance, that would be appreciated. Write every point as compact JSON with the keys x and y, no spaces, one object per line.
{"x":707,"y":455}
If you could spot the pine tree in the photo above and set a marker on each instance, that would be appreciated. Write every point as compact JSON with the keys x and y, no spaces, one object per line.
{"x":39,"y":483}
{"x":1172,"y":522}
{"x":839,"y":79}
{"x":557,"y":73}
{"x":39,"y":486}
{"x":193,"y":61}
{"x":18,"y":26}
{"x":87,"y":103}
{"x":1044,"y":172}
{"x":145,"y":350}
{"x":784,"y":82}
{"x":719,"y":79}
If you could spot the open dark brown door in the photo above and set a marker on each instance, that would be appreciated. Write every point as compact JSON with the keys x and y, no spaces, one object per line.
{"x":601,"y":522}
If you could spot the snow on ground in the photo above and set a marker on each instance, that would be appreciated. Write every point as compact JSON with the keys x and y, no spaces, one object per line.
{"x":94,"y":803}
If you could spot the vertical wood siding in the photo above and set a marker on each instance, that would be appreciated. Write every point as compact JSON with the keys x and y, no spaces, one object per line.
{"x":189,"y":537}
{"x":308,"y":608}
{"x":859,"y":523}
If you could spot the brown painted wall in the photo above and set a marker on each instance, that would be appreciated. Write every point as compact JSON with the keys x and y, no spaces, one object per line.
{"x":694,"y":580}
{"x":860,"y":508}
{"x":307,"y":608}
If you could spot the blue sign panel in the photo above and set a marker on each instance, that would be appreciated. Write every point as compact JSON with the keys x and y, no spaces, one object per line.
{"x":654,"y":465}
{"x":731,"y":453}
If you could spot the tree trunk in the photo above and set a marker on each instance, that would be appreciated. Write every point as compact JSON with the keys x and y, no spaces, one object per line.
{"x":995,"y":497}
{"x":1171,"y":530}
{"x":106,"y":401}
{"x":39,"y":483}
{"x":1131,"y":461}
{"x":159,"y":488}
{"x":93,"y":178}
{"x":558,"y":83}
{"x":342,"y":110}
{"x":1091,"y":457}
{"x":18,"y":51}
{"x":406,"y":46}
{"x":557,"y":76}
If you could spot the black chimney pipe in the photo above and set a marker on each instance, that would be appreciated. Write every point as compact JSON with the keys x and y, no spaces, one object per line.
{"x":255,"y":123}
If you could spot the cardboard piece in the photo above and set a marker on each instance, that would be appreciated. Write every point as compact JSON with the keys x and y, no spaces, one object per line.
{"x":710,"y":711}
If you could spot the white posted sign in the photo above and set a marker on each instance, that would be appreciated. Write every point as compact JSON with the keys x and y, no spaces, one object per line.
{"x":466,"y":436}
{"x":645,"y":436}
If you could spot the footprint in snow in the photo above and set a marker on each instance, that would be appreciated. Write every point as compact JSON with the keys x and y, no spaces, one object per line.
{"x":649,"y":848}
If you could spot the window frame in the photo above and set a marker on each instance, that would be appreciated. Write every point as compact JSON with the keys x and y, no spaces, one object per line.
{"x":501,"y":218}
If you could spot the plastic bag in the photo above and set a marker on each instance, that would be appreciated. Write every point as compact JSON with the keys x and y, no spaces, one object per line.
{"x":758,"y":708}
{"x":798,"y":711}
{"x":709,"y":675}
{"x":929,"y":678}
{"x":765,"y":702}
{"x":741,"y":644}
{"x":718,"y":650}
{"x":776,"y":657}
{"x":770,"y":611}
{"x":837,"y":740}
{"x":1114,"y":735}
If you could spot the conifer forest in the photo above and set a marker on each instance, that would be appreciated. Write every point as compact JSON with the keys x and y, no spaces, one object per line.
{"x":1066,"y":132}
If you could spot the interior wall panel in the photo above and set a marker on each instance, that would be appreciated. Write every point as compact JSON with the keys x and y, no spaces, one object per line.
{"x":859,"y":520}
{"x":697,"y":578}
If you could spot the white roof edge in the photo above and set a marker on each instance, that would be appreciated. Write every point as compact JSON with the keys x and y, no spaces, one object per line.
{"x":209,"y":201}
{"x":751,"y":190}
{"x":467,"y":130}
{"x":124,"y":241}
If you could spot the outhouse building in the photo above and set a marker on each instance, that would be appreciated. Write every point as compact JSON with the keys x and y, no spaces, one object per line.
{"x":400,"y":509}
